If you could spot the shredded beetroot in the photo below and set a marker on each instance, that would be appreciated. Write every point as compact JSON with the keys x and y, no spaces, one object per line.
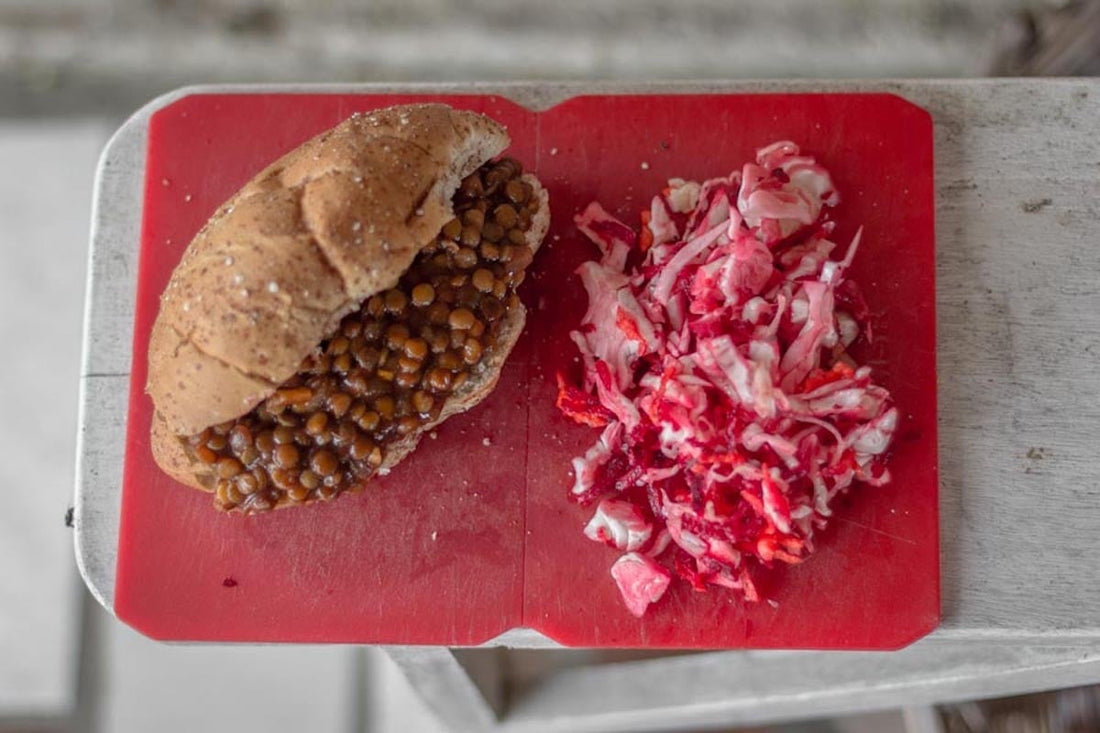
{"x":731,"y":412}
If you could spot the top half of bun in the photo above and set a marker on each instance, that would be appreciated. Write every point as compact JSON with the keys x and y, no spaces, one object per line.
{"x":298,"y":247}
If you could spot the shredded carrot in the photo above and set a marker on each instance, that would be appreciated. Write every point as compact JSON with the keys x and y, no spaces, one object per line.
{"x":645,"y":236}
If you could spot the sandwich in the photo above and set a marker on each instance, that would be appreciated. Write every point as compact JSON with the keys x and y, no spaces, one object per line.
{"x":352,"y":296}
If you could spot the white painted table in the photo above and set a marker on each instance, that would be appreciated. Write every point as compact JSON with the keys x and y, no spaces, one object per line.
{"x":1018,"y":297}
{"x":43,"y":220}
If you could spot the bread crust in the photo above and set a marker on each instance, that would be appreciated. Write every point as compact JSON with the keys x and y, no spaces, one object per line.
{"x":300,"y":246}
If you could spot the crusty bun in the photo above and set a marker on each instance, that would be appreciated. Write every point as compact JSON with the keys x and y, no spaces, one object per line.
{"x":300,"y":246}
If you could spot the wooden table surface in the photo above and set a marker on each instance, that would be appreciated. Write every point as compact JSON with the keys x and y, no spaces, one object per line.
{"x":1018,"y":300}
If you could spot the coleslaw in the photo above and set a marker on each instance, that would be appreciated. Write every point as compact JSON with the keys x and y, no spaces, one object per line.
{"x":717,"y":370}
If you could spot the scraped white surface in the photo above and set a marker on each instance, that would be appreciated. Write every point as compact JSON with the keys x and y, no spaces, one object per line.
{"x":392,"y":704}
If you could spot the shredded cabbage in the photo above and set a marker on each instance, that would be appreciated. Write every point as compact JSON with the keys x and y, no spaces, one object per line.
{"x":717,"y":369}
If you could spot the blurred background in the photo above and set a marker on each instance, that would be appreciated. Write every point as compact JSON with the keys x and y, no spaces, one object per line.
{"x":72,"y":70}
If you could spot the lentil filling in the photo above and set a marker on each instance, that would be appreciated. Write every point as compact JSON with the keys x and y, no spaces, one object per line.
{"x":390,"y":366}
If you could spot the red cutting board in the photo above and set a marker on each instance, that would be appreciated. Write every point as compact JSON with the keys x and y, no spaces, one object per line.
{"x":473,"y":535}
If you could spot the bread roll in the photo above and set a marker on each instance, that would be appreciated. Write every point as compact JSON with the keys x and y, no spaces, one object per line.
{"x":298,"y":248}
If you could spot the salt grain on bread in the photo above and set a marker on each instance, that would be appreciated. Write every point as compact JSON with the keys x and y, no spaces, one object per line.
{"x":299,"y":247}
